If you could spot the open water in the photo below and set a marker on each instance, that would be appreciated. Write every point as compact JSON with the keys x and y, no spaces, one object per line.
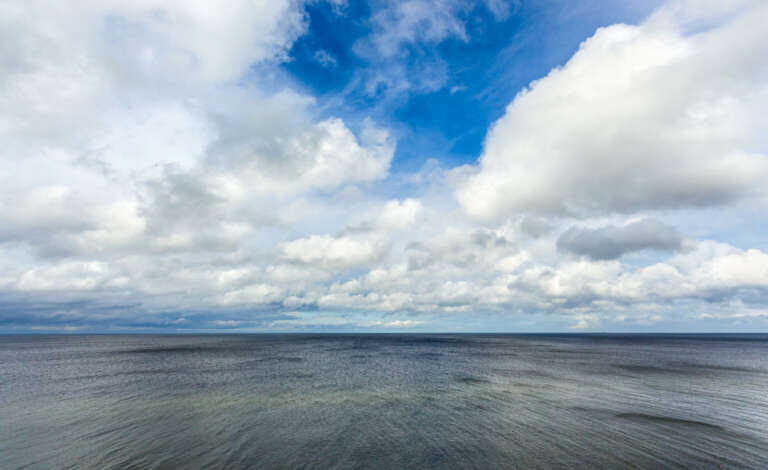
{"x":384,"y":401}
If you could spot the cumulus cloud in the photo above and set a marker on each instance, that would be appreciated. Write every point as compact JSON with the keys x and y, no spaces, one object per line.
{"x":612,"y":242}
{"x":155,"y":174}
{"x":639,"y":118}
{"x":711,"y":271}
{"x":278,"y":153}
{"x":398,"y":215}
{"x":303,"y":321}
{"x":334,"y":252}
{"x":139,"y":117}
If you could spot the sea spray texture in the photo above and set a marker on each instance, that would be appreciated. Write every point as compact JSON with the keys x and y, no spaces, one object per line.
{"x":384,"y":401}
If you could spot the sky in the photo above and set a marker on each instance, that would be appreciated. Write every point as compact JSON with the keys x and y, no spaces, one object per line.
{"x":383,"y":166}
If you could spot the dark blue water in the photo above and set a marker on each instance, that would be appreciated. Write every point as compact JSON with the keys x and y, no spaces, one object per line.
{"x":383,"y":401}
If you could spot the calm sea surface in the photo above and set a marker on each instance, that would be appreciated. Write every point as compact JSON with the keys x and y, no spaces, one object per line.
{"x":383,"y":401}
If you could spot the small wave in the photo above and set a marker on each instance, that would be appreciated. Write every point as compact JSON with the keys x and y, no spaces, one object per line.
{"x":652,"y":369}
{"x":466,"y":379}
{"x":165,"y":349}
{"x":668,"y":419}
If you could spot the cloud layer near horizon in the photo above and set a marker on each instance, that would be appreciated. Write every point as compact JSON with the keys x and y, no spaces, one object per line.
{"x":158,"y":172}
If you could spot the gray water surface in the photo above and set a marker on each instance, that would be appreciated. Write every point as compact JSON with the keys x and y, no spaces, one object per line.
{"x":384,"y":401}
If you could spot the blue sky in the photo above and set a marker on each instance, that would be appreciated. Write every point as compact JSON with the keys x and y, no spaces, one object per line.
{"x":390,"y":165}
{"x":480,"y":72}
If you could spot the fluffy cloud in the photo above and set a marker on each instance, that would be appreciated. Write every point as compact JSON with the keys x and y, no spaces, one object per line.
{"x":666,"y":114}
{"x":334,"y":252}
{"x":710,"y":271}
{"x":399,"y":215}
{"x":156,"y":173}
{"x":139,"y":114}
{"x":303,"y":321}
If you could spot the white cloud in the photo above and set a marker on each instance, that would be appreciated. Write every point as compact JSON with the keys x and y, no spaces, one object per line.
{"x":65,"y":276}
{"x":642,"y":117}
{"x":276,"y":152}
{"x":301,"y":320}
{"x":256,"y":294}
{"x":148,"y":168}
{"x":134,"y":109}
{"x":399,"y":215}
{"x":393,"y":324}
{"x":329,"y":252}
{"x":709,"y":271}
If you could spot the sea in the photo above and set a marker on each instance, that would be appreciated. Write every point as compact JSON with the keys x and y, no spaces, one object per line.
{"x":389,"y":401}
